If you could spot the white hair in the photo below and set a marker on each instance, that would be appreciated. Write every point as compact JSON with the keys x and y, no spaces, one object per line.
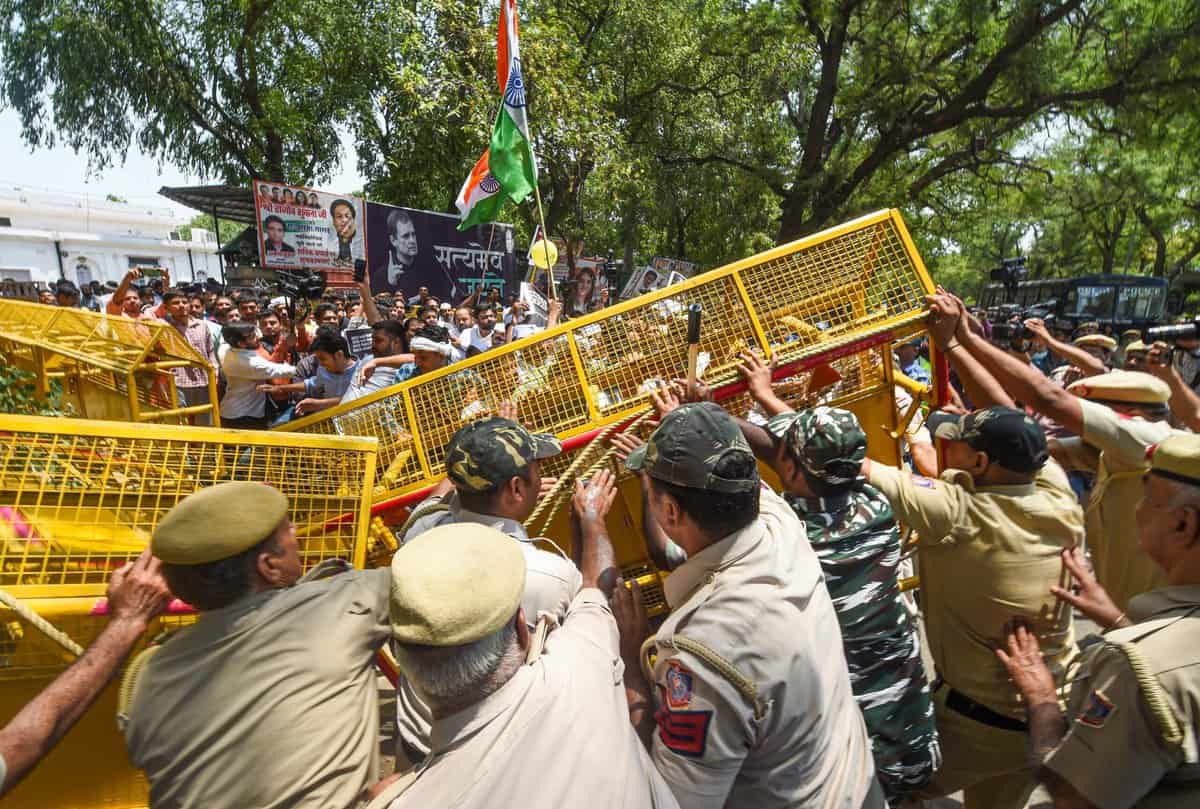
{"x":449,"y":673}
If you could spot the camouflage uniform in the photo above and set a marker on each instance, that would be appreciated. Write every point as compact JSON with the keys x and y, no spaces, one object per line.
{"x":855,"y":537}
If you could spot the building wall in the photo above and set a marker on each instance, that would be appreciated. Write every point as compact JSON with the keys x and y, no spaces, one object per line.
{"x":98,"y":240}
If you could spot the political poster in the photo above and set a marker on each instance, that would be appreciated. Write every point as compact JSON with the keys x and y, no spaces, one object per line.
{"x":408,"y":249}
{"x":643,"y":280}
{"x":303,"y":228}
{"x":581,"y":293}
{"x":669,"y":265}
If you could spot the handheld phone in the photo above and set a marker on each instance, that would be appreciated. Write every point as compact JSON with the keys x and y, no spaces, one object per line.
{"x":360,"y":271}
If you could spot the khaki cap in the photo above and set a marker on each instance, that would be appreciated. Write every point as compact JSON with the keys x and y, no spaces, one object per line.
{"x":1122,"y":387}
{"x":218,"y":522}
{"x":1105,"y":342}
{"x":1177,"y":457}
{"x":455,"y":584}
{"x":1136,"y":346}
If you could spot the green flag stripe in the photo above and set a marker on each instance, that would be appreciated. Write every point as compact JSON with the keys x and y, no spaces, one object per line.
{"x":511,"y":159}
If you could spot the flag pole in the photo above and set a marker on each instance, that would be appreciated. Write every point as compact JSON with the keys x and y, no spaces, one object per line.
{"x":545,"y":239}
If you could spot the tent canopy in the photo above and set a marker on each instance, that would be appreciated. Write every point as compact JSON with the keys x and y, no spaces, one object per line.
{"x":234,"y":203}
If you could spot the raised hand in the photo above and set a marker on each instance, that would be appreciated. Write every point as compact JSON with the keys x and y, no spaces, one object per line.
{"x":1092,"y":599}
{"x":593,"y":501}
{"x":756,"y":373}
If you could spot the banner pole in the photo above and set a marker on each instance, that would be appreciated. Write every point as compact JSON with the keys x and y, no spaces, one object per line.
{"x":545,"y":241}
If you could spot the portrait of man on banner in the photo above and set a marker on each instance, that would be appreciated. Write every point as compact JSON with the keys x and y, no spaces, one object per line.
{"x":394,"y":265}
{"x":408,"y":249}
{"x":347,"y":242}
{"x":273,"y":242}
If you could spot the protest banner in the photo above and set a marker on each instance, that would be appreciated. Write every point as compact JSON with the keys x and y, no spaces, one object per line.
{"x":539,"y":307}
{"x":303,"y":228}
{"x":359,"y":340}
{"x":408,"y":249}
{"x":666,"y":266}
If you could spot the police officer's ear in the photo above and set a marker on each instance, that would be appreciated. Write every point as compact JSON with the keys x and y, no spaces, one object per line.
{"x":523,"y":636}
{"x":979,"y":463}
{"x":1188,"y":526}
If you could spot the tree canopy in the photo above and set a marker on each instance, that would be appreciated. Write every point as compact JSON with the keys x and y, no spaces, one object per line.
{"x":705,"y":129}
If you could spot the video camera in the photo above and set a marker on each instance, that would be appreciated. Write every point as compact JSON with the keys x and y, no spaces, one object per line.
{"x":1006,"y":333}
{"x":1010,"y":272}
{"x":1172,"y":333}
{"x":302,"y":285}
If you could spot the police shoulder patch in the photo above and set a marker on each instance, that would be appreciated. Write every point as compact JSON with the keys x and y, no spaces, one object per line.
{"x":679,"y":685}
{"x":684,"y":732}
{"x":1095,"y":712}
{"x":923,"y":482}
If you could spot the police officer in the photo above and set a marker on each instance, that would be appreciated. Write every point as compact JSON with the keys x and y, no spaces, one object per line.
{"x":513,"y":726}
{"x":1129,"y":737}
{"x":991,"y":531}
{"x":493,"y":478}
{"x":1117,"y":416}
{"x":754,"y":704}
{"x":270,"y":698}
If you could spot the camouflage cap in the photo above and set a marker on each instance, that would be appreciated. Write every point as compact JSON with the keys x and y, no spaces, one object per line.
{"x":492,"y":451}
{"x":828,"y":443}
{"x":688,"y":445}
{"x":1009,"y":437}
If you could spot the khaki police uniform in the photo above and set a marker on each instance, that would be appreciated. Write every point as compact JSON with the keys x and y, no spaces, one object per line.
{"x":557,"y":734}
{"x":269,"y":702}
{"x":755,"y":705}
{"x":551,"y":582}
{"x":1136,"y":710}
{"x":1113,"y":447}
{"x":986,"y":554}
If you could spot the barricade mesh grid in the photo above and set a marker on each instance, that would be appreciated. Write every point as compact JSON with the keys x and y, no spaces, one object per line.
{"x":538,"y":377}
{"x":75,"y":503}
{"x":27,"y":654}
{"x":98,"y":354}
{"x":387,"y":420}
{"x":835,"y":290}
{"x":816,"y":295}
{"x":624,"y":354}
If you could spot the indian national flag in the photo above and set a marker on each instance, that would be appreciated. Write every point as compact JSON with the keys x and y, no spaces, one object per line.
{"x":480,"y":198}
{"x":512,"y":160}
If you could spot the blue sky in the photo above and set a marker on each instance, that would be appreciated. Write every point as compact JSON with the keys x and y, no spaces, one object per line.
{"x":138,"y":179}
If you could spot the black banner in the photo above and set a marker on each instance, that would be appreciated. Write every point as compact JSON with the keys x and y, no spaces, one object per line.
{"x":409,"y":249}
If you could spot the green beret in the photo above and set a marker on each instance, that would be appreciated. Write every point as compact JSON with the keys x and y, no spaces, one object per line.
{"x":455,"y":584}
{"x":1177,"y":457}
{"x":218,"y":522}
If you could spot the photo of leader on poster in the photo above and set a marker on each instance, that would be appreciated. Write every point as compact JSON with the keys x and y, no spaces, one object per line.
{"x":306,"y":228}
{"x":408,"y":249}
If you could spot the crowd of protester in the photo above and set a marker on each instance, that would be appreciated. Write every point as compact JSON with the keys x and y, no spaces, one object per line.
{"x":278,"y":359}
{"x":789,"y":671}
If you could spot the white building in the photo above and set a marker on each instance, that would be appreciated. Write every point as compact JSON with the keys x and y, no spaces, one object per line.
{"x":45,"y":236}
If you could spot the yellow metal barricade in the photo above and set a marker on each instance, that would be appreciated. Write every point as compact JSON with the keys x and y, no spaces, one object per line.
{"x":79,"y":498}
{"x":110,"y":367}
{"x":828,"y":293}
{"x":826,"y":307}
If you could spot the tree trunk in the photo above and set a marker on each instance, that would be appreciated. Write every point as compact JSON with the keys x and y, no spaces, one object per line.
{"x":1160,"y":243}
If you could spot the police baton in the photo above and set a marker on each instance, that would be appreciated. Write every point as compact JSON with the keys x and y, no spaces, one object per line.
{"x":693,"y":339}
